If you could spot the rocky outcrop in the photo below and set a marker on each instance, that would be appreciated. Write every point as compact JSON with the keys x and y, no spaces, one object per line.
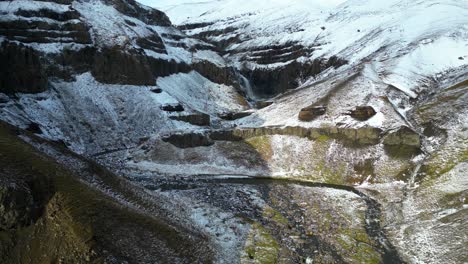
{"x":362,"y":113}
{"x":21,"y":70}
{"x":268,"y":82}
{"x":403,"y":136}
{"x":262,"y":104}
{"x":70,"y":62}
{"x":112,"y":65}
{"x":172,"y":108}
{"x":352,"y":137}
{"x":403,"y":143}
{"x":148,"y":15}
{"x":46,"y":26}
{"x":110,"y":62}
{"x":230,"y":116}
{"x":310,"y":113}
{"x":161,"y":67}
{"x":197,"y":119}
{"x":16,"y":207}
{"x":189,"y":140}
{"x":153,"y":42}
{"x":217,"y":74}
{"x":48,"y":13}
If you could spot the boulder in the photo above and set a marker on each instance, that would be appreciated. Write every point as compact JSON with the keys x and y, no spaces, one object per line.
{"x":362,"y":113}
{"x":311,"y":112}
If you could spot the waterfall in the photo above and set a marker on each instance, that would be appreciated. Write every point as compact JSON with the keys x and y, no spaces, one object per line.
{"x":247,"y":88}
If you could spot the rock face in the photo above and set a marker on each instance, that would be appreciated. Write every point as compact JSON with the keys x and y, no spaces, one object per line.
{"x":55,"y":27}
{"x":99,"y":105}
{"x":403,"y":136}
{"x":267,"y":82}
{"x":214,"y":73}
{"x":310,"y":113}
{"x":16,"y":207}
{"x":403,"y":143}
{"x":234,"y":116}
{"x":197,"y":119}
{"x":112,"y":55}
{"x":360,"y":137}
{"x":262,"y":104}
{"x":21,"y":70}
{"x":362,"y":113}
{"x":190,"y":140}
{"x":114,"y":66}
{"x":270,"y":68}
{"x":133,"y":9}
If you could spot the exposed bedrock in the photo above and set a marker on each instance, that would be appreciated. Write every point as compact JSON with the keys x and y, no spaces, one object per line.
{"x":234,"y":115}
{"x":267,"y":82}
{"x":403,"y":142}
{"x":153,"y":43}
{"x":47,"y":13}
{"x":148,"y":15}
{"x":271,"y":69}
{"x":349,"y":136}
{"x":21,"y":70}
{"x":359,"y":137}
{"x":189,"y":140}
{"x":403,"y":139}
{"x":16,"y":206}
{"x":46,"y":26}
{"x":217,"y":74}
{"x":114,"y":66}
{"x":26,"y":70}
{"x":403,"y":136}
{"x":197,"y":119}
{"x":262,"y":104}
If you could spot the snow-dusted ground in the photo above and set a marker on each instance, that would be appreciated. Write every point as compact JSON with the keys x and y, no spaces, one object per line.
{"x":406,"y":42}
{"x":401,"y":54}
{"x":92,"y":117}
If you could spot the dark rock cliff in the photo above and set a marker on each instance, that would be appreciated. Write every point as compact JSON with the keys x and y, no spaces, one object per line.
{"x":21,"y":70}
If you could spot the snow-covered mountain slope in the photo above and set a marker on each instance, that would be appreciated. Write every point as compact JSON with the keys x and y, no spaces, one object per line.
{"x":87,"y":72}
{"x":408,"y":43}
{"x":405,"y":59}
{"x":357,"y":94}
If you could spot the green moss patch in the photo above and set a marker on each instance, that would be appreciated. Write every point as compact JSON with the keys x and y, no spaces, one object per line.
{"x":260,"y":247}
{"x":263,"y":145}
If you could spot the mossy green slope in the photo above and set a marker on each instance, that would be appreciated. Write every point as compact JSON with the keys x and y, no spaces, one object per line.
{"x":76,"y":223}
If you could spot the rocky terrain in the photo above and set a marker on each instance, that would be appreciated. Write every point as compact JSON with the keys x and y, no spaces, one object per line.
{"x":233,"y":131}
